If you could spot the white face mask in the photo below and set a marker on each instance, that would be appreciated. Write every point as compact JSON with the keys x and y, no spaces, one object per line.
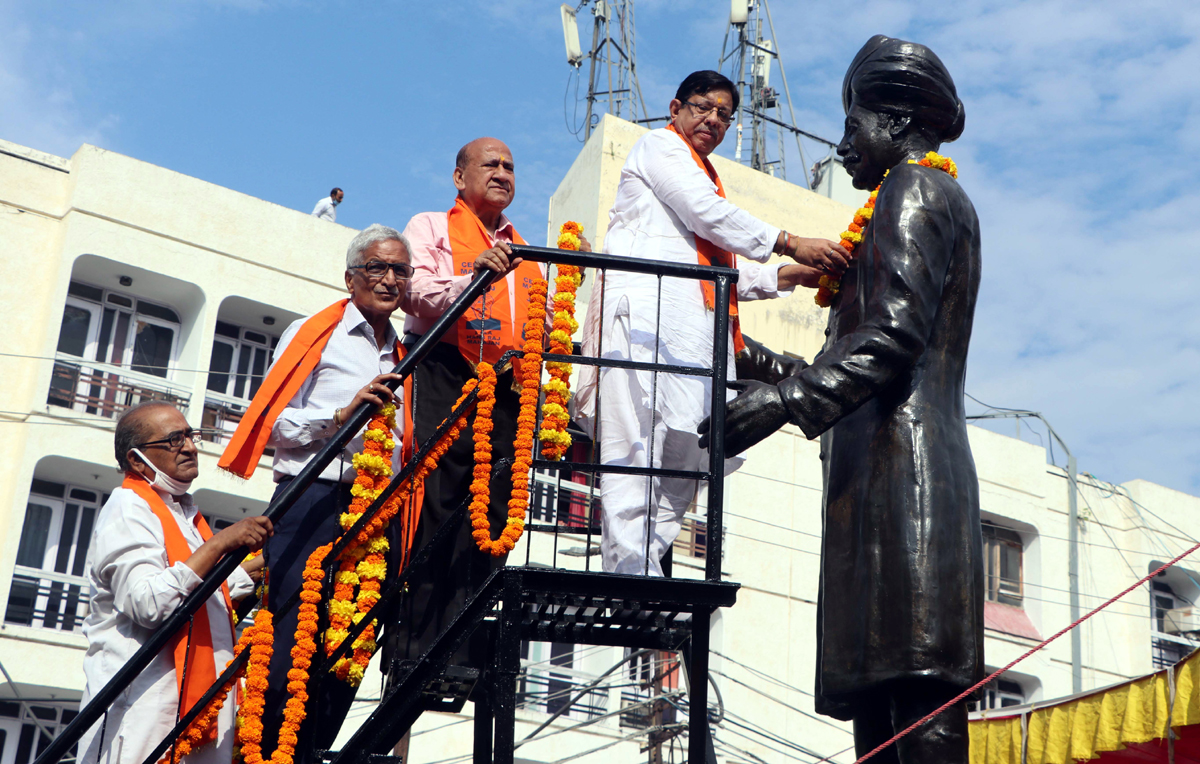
{"x":163,"y":480}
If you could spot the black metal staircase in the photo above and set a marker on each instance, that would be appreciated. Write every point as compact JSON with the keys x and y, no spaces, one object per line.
{"x":517,"y":602}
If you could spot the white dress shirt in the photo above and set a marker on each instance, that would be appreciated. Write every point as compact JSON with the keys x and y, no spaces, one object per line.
{"x":326,"y":210}
{"x":664,"y":201}
{"x":133,"y":591}
{"x":349,"y":361}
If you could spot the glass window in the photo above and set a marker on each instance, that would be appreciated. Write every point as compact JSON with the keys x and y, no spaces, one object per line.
{"x":75,"y":330}
{"x":157,"y":311}
{"x":35,"y":535}
{"x":152,"y":348}
{"x":1002,"y":551}
{"x":219,"y":366}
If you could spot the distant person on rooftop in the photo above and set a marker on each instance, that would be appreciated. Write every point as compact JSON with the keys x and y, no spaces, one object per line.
{"x":150,"y":549}
{"x":326,"y":208}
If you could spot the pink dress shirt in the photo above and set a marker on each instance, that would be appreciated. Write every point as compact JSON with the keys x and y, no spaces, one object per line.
{"x":435,"y":284}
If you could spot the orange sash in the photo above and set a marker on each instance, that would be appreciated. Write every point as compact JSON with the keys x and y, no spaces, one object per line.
{"x":296,"y":364}
{"x":710,"y":254}
{"x":197,"y":663}
{"x":489,"y":322}
{"x":299,"y":359}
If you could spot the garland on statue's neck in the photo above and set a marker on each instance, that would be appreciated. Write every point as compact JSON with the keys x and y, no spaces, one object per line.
{"x":829,"y":286}
{"x":553,"y":435}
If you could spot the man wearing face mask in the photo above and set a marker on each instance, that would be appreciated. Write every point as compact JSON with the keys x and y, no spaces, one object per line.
{"x":326,"y":208}
{"x":150,"y":549}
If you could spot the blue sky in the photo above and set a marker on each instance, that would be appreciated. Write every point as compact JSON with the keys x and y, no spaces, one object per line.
{"x":1080,"y":150}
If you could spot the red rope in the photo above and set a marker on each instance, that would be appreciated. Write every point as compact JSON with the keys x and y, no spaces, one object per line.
{"x":963,"y":695}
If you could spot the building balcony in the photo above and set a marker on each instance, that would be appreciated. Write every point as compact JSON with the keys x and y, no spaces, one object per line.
{"x":105,"y":389}
{"x":47,"y":600}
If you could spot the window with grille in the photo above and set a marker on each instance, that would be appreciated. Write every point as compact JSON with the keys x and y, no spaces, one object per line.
{"x":1002,"y":552}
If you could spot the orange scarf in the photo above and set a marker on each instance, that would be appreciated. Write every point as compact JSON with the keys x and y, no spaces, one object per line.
{"x":710,"y":254}
{"x":489,"y":322}
{"x":193,"y":658}
{"x":282,"y":383}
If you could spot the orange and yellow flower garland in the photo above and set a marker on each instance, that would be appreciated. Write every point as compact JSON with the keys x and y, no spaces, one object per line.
{"x":531,"y":375}
{"x":553,"y":435}
{"x":260,"y":636}
{"x":203,"y":728}
{"x":829,"y":286}
{"x":363,"y":564}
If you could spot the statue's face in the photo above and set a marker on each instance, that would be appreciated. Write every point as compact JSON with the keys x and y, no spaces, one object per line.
{"x":868,"y":148}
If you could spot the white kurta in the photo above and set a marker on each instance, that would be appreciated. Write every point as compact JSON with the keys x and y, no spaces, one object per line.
{"x":664,"y":201}
{"x":133,"y":591}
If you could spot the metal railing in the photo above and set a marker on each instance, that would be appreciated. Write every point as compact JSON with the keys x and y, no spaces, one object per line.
{"x":222,"y":413}
{"x":723,"y":278}
{"x":104,"y":389}
{"x":46,"y":599}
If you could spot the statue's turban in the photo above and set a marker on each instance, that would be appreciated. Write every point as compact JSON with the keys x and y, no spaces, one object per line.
{"x":904,"y":78}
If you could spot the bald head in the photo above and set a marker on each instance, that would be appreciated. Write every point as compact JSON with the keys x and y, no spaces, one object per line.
{"x":485,"y":179}
{"x":135,"y":427}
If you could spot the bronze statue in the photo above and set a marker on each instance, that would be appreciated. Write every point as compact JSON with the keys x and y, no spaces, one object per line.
{"x":900,"y":610}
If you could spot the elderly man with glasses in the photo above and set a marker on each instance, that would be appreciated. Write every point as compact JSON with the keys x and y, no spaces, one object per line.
{"x":325,"y":367}
{"x":150,"y":548}
{"x":671,"y":206}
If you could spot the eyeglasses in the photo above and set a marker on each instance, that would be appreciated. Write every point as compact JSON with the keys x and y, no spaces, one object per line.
{"x":175,"y":440}
{"x":377,"y":269}
{"x":702,"y":112}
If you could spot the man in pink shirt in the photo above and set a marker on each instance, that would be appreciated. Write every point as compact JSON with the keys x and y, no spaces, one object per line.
{"x":448,"y":250}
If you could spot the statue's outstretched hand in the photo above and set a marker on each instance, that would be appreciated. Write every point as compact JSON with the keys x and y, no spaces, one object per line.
{"x":757,"y":412}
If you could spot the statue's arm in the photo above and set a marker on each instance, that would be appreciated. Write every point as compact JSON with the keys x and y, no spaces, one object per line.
{"x":758,"y":362}
{"x":914,"y":233}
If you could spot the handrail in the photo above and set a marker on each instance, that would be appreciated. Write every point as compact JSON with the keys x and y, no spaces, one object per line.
{"x":99,"y":703}
{"x":153,"y":381}
{"x":723,"y":278}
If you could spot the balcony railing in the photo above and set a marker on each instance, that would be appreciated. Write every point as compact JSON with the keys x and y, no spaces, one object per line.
{"x":549,"y":690}
{"x":221,"y":416}
{"x":105,"y":389}
{"x":47,"y":600}
{"x":1167,"y":649}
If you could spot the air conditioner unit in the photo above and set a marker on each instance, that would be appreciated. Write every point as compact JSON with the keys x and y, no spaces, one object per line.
{"x":1182,"y":620}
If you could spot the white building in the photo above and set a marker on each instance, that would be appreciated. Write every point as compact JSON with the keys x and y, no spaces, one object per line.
{"x":125,"y":281}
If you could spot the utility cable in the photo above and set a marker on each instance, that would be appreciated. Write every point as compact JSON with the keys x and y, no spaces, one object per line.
{"x":996,"y":674}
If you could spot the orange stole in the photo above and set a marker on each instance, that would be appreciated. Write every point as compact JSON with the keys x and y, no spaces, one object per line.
{"x":196,"y":663}
{"x":708,"y":253}
{"x":299,"y":359}
{"x":489,"y":321}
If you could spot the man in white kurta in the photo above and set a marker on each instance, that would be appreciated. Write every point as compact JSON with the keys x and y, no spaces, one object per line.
{"x":133,"y":591}
{"x":665,"y":200}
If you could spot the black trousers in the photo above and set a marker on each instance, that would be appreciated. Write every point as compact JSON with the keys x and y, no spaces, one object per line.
{"x":897,"y":705}
{"x":311,"y":522}
{"x":437,"y":594}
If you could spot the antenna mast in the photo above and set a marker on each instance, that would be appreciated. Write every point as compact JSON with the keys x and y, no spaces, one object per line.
{"x":748,"y":61}
{"x":612,"y":69}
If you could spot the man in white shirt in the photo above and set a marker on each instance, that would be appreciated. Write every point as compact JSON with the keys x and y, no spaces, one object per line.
{"x":354,"y":364}
{"x":140,"y":569}
{"x":326,"y":208}
{"x":670,"y":206}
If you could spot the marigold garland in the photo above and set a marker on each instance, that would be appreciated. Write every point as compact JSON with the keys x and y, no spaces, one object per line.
{"x":203,"y":729}
{"x":829,"y":286}
{"x":531,"y":375}
{"x":553,"y":435}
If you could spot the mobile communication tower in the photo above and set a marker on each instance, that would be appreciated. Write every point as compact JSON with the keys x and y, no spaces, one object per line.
{"x":747,"y":57}
{"x":612,"y":69}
